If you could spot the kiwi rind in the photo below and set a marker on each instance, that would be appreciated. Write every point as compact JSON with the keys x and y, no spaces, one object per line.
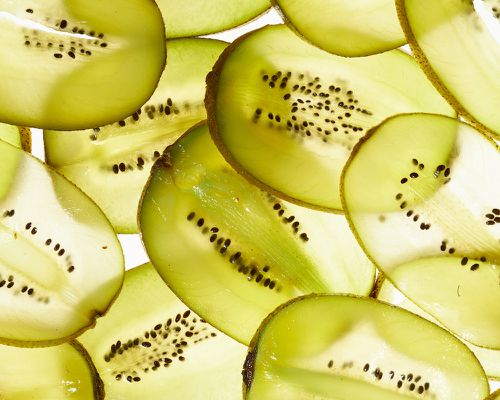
{"x":494,"y":396}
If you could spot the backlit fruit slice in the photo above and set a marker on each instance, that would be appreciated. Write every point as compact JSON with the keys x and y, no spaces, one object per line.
{"x":232,"y":252}
{"x":77,"y":64}
{"x":59,"y":372}
{"x":151,"y":346}
{"x":457,"y":45}
{"x":112,"y":163}
{"x":16,"y":136}
{"x":286,"y":114}
{"x":349,"y":348}
{"x":439,"y":242}
{"x":347,"y":28}
{"x":61,"y":264}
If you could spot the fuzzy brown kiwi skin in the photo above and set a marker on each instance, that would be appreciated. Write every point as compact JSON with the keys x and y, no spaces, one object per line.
{"x":99,"y":389}
{"x":25,"y":134}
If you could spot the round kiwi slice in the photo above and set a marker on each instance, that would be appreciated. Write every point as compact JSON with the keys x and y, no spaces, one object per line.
{"x":235,"y":252}
{"x":353,"y":348}
{"x":150,"y":345}
{"x":112,"y":163}
{"x":346,"y":28}
{"x":67,"y":65}
{"x":457,"y":44}
{"x":439,"y":243}
{"x":286,"y":114}
{"x":61,"y":264}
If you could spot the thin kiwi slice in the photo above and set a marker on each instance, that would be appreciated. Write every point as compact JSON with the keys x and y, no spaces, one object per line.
{"x":235,"y":252}
{"x":61,"y":264}
{"x":457,"y":44}
{"x":150,"y":345}
{"x":16,"y":136}
{"x":354,"y":348}
{"x":286,"y":114}
{"x":78,"y":64}
{"x":346,"y":28}
{"x":439,"y":242}
{"x":112,"y":163}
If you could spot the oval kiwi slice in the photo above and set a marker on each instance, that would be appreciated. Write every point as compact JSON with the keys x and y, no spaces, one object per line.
{"x":286,"y":114}
{"x":60,"y":261}
{"x":439,"y":242}
{"x":150,"y":345}
{"x":346,"y":28}
{"x":349,"y":348}
{"x":112,"y":163}
{"x":66,"y":65}
{"x":457,"y":44}
{"x":235,"y":252}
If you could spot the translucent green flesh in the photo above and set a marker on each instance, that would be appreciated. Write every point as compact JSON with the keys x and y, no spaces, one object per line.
{"x":287,"y":115}
{"x":10,"y":134}
{"x":66,"y":65}
{"x":112,"y":163}
{"x":234,"y":253}
{"x":363,"y":350}
{"x":439,"y":244}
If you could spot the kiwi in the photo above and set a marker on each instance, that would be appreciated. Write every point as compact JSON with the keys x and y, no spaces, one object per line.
{"x":79,"y":64}
{"x":353,"y":348}
{"x":494,"y":396}
{"x":439,"y":243}
{"x":286,"y":114}
{"x":150,"y":345}
{"x":112,"y":163}
{"x":16,"y":136}
{"x":346,"y":28}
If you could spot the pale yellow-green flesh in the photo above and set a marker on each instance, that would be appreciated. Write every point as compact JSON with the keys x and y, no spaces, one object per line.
{"x":305,"y":251}
{"x":330,"y":348}
{"x":440,"y":242}
{"x":10,"y":134}
{"x":458,"y":45}
{"x":211,"y":369}
{"x":79,"y":89}
{"x":285,"y":158}
{"x":91,"y":158}
{"x":347,"y":28}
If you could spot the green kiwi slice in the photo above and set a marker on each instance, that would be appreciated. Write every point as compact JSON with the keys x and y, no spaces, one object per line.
{"x":150,"y":345}
{"x":112,"y":163}
{"x":439,"y":242}
{"x":50,"y":373}
{"x":61,"y":264}
{"x":78,"y":64}
{"x":457,"y":44}
{"x":346,"y":28}
{"x":232,"y":252}
{"x":353,"y":348}
{"x":286,"y":114}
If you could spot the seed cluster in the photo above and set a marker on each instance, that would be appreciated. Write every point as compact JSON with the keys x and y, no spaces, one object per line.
{"x":290,"y":219}
{"x":493,"y":217}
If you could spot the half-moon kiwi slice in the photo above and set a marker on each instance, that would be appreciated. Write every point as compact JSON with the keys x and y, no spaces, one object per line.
{"x":457,"y":44}
{"x":150,"y":345}
{"x":440,"y":241}
{"x":346,"y":28}
{"x":112,"y":163}
{"x":232,"y":252}
{"x":286,"y":114}
{"x":78,"y":64}
{"x":16,"y":136}
{"x":349,"y":348}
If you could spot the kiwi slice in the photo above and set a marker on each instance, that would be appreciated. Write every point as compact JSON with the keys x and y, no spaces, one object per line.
{"x":457,"y":44}
{"x":346,"y":28}
{"x":16,"y":136}
{"x":439,"y":242}
{"x":60,"y":261}
{"x":78,"y":64}
{"x":112,"y":163}
{"x":150,"y":345}
{"x":286,"y":114}
{"x":353,"y":348}
{"x":235,"y":252}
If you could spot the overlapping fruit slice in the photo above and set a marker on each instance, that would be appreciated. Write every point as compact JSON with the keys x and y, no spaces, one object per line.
{"x":286,"y":114}
{"x":232,"y":252}
{"x":428,"y":214}
{"x":16,"y":136}
{"x":150,"y":345}
{"x":349,"y":348}
{"x":77,"y":64}
{"x":112,"y":163}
